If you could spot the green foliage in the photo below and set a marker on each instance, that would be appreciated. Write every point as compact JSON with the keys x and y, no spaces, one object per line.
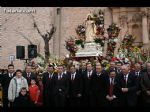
{"x":99,"y":41}
{"x":78,"y":42}
{"x":41,"y":61}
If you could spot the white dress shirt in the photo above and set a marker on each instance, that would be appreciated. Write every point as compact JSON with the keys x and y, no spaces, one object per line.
{"x":137,"y":73}
{"x":11,"y":74}
{"x":111,"y":80}
{"x":126,"y":77}
{"x":73,"y":76}
{"x":90,"y":73}
{"x":60,"y":76}
{"x":50,"y":75}
{"x":28,"y":74}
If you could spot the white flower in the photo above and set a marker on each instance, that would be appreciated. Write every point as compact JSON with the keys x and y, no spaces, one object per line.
{"x":126,"y":60}
{"x":67,"y":56}
{"x":115,"y":40}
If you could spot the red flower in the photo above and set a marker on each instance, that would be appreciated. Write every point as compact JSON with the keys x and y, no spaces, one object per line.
{"x":114,"y":59}
{"x":98,"y":32}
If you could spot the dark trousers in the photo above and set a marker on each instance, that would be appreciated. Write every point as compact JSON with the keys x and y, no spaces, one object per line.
{"x":88,"y":100}
{"x":5,"y":102}
{"x":11,"y":104}
{"x":60,"y":100}
{"x":99,"y":100}
{"x":48,"y":99}
{"x":74,"y":101}
{"x":146,"y":104}
{"x":139,"y":100}
{"x":32,"y":104}
{"x":113,"y":103}
{"x":125,"y":103}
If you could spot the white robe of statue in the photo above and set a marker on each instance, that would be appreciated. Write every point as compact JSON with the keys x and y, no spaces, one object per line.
{"x":89,"y":32}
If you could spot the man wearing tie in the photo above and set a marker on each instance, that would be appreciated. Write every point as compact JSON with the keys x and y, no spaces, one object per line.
{"x":111,"y":90}
{"x":145,"y":84}
{"x":87,"y":87}
{"x":61,"y":87}
{"x":48,"y":86}
{"x":112,"y":67}
{"x":6,"y":78}
{"x":99,"y":87}
{"x":127,"y":86}
{"x":28,"y":74}
{"x":118,"y":66}
{"x":82,"y":69}
{"x":75,"y":87}
{"x":139,"y":74}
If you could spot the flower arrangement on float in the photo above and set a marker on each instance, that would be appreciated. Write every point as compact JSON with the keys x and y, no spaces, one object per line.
{"x":71,"y":46}
{"x":113,"y":32}
{"x":128,"y":51}
{"x":100,"y":40}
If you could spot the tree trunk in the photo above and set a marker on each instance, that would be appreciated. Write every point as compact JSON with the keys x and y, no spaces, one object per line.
{"x":46,"y":50}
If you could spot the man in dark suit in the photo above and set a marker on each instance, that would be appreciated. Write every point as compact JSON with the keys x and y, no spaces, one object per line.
{"x":111,"y":97}
{"x":6,"y":78}
{"x":112,"y":67}
{"x":75,"y":87}
{"x":1,"y":76}
{"x":145,"y":84}
{"x":118,"y":66}
{"x":99,"y":87}
{"x":87,"y":86}
{"x":65,"y":70}
{"x":28,"y":74}
{"x":48,"y":86}
{"x":127,"y":86}
{"x":61,"y":87}
{"x":138,"y":73}
{"x":82,"y":71}
{"x":82,"y":68}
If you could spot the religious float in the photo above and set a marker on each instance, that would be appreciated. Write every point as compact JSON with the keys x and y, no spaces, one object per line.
{"x":95,"y":42}
{"x":92,"y":41}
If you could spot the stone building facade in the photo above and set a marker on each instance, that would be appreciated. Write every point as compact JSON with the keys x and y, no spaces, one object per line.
{"x":17,"y":25}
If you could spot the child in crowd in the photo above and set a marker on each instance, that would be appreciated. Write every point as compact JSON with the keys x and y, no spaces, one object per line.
{"x":34,"y":92}
{"x":23,"y":100}
{"x":40,"y":85}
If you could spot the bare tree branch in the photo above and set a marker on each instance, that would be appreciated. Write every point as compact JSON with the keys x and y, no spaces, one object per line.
{"x":52,"y":31}
{"x":20,"y":33}
{"x":46,"y":37}
{"x":35,"y":26}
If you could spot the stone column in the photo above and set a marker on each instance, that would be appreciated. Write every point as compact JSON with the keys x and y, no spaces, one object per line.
{"x":115,"y":13}
{"x":144,"y":26}
{"x":108,"y":17}
{"x":57,"y":36}
{"x":1,"y":36}
{"x":122,"y":22}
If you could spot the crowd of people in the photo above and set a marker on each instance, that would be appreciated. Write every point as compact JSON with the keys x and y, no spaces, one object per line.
{"x":88,"y":86}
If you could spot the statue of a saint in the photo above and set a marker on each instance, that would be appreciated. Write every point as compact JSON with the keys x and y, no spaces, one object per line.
{"x":90,"y":29}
